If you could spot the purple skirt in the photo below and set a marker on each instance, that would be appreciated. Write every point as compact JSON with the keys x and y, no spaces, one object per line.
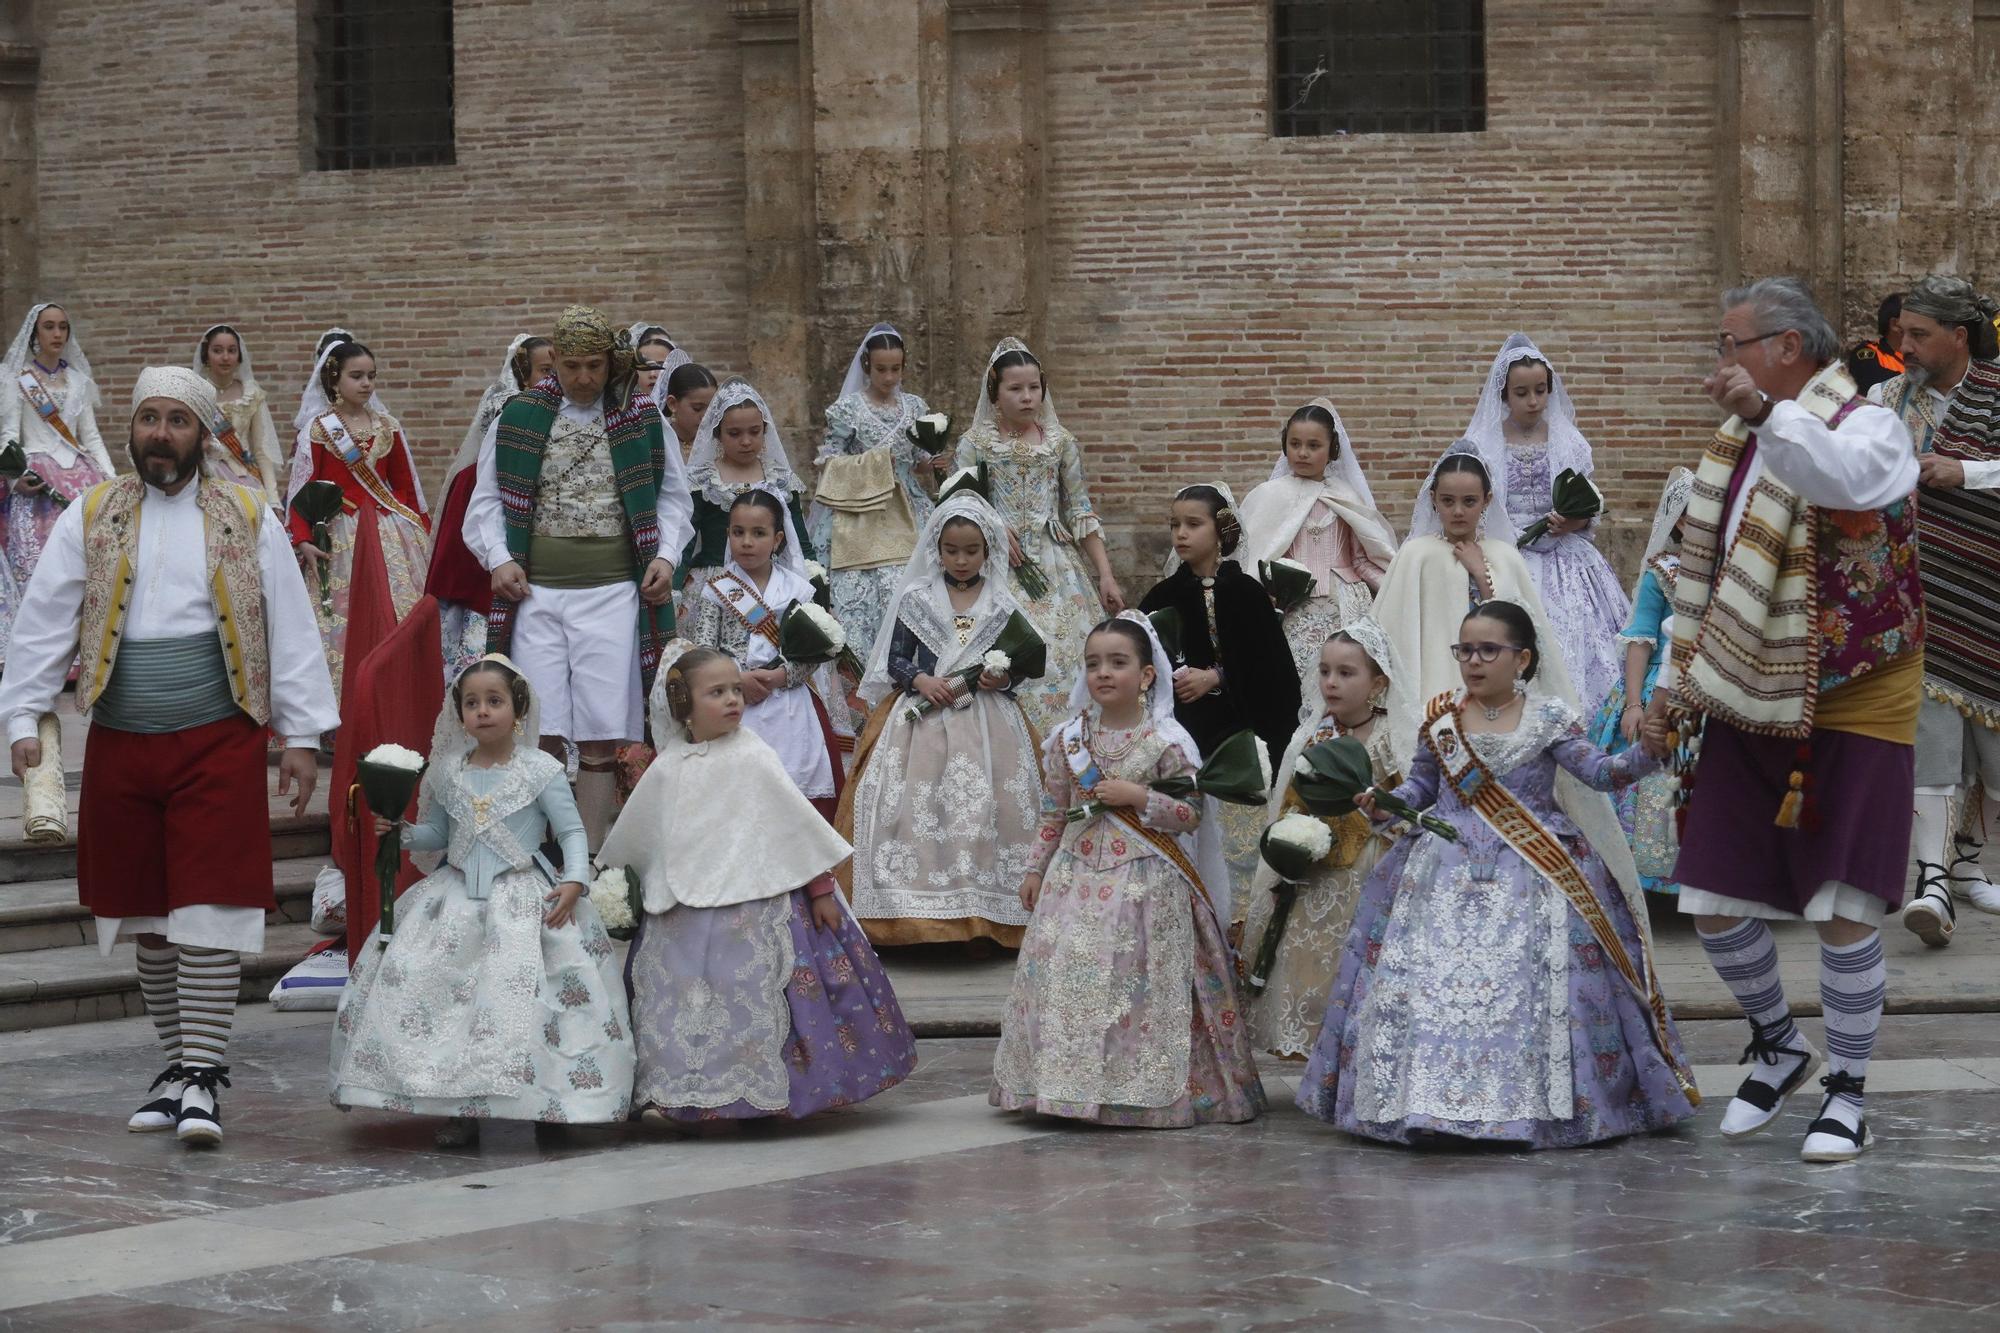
{"x":701,"y":982}
{"x":1857,"y":830}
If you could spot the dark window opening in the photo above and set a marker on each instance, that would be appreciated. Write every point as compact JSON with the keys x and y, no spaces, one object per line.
{"x":382,"y":84}
{"x":1378,"y":67}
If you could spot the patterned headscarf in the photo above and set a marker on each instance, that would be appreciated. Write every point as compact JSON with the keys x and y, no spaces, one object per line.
{"x":584,"y":331}
{"x":1949,"y":300}
{"x":180,"y":384}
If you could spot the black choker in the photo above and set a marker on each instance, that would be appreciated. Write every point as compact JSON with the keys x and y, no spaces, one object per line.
{"x":964,"y":585}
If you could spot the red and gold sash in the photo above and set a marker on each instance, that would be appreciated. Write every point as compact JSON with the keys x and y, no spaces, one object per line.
{"x":44,"y":403}
{"x":224,"y":430}
{"x":1083,"y":768}
{"x":1519,"y":829}
{"x":742,"y":601}
{"x":343,"y":446}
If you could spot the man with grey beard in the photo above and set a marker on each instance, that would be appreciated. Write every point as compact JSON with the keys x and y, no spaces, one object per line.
{"x":1949,"y":398}
{"x":197,"y":642}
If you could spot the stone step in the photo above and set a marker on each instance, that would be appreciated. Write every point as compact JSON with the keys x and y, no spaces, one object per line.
{"x":24,"y":862}
{"x":50,"y":987}
{"x":44,"y":914}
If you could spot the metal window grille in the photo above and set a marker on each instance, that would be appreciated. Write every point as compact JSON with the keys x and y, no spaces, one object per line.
{"x":1378,"y":67}
{"x":383,"y":83}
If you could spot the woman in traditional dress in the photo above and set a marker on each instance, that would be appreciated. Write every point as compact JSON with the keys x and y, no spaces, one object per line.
{"x":1055,"y":538}
{"x":1317,"y":510}
{"x":736,"y":447}
{"x":458,"y":580}
{"x":739,"y":612}
{"x":243,"y":445}
{"x":874,"y":492}
{"x":48,"y":406}
{"x":1497,"y":988}
{"x":1646,"y":807}
{"x":1524,"y":431}
{"x":344,"y":436}
{"x":753,"y":992}
{"x":1355,"y":681}
{"x":944,"y":806}
{"x":684,"y":392}
{"x":1123,"y":1008}
{"x":497,"y":996}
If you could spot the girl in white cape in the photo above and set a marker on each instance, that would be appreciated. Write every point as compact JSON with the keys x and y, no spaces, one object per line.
{"x":496,"y":997}
{"x":1317,"y":510}
{"x":753,"y":991}
{"x":943,"y":808}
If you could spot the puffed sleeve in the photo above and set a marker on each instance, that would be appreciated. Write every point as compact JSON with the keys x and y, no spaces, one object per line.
{"x":1078,"y":514}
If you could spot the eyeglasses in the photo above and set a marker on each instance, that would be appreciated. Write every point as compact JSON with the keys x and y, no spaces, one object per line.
{"x":1481,"y":652}
{"x":1727,"y":346}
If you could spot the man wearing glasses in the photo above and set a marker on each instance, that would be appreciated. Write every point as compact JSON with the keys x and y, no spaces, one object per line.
{"x":1949,"y":399}
{"x":1798,"y":640}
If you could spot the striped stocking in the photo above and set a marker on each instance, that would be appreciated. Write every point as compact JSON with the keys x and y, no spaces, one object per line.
{"x":209,"y":981}
{"x":159,"y":974}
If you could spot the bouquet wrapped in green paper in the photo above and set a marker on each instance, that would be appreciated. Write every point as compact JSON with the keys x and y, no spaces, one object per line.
{"x":388,"y":776}
{"x":1291,"y":847}
{"x":931,"y":433}
{"x":1238,"y":773}
{"x":1575,"y":496}
{"x":1289,"y":583}
{"x":808,"y":635}
{"x":1328,"y":777}
{"x":822,"y":586}
{"x":1167,"y":625}
{"x":318,"y":502}
{"x":1019,"y":652}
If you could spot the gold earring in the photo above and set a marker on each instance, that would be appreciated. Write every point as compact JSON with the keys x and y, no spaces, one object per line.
{"x":520,"y":726}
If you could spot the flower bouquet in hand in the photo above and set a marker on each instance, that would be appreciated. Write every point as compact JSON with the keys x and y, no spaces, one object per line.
{"x":1034,"y":582}
{"x":615,"y":895}
{"x":931,"y":433}
{"x":1575,"y":497}
{"x":318,"y":502}
{"x":1292,"y":847}
{"x":1288,"y":582}
{"x":1018,"y":652}
{"x":1238,"y":773}
{"x":822,"y":586}
{"x":14,"y":467}
{"x":388,"y":776}
{"x":1328,"y":776}
{"x":808,"y":635}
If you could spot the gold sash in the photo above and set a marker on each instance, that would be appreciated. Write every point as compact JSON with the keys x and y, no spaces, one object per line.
{"x":1519,"y":829}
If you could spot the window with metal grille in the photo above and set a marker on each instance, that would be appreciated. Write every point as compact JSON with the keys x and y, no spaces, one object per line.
{"x":1378,"y":67}
{"x":382,"y":83}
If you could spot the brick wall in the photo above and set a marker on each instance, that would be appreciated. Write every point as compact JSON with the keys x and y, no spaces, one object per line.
{"x":1202,"y":278}
{"x":599,"y":147}
{"x":1206,"y":278}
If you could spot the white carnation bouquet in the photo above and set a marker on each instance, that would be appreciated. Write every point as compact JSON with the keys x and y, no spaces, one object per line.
{"x":615,"y":895}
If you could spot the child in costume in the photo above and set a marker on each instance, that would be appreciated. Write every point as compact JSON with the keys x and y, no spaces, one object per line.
{"x":1124,"y":1008}
{"x":1645,"y":808}
{"x":1498,"y":988}
{"x":753,"y":992}
{"x":1524,"y":432}
{"x":1234,"y":670}
{"x":1318,"y":511}
{"x":739,"y":611}
{"x":944,"y":807}
{"x":1356,"y":677}
{"x":496,"y":997}
{"x":1036,"y":468}
{"x":736,"y":447}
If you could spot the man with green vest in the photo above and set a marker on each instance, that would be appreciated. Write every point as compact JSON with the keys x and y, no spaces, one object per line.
{"x":579,"y":510}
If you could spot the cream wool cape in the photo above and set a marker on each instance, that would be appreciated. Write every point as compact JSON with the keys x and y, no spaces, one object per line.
{"x":719,"y":823}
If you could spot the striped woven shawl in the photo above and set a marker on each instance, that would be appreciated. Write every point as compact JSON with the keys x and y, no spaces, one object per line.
{"x":1958,"y":536}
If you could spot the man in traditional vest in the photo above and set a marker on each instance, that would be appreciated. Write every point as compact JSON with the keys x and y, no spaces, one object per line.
{"x":178,"y":593}
{"x":1949,"y":399}
{"x":579,"y":510}
{"x":1798,"y":643}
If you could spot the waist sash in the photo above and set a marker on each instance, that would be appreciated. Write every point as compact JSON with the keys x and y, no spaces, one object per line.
{"x":580,"y":562}
{"x":161,"y":685}
{"x":1519,"y":829}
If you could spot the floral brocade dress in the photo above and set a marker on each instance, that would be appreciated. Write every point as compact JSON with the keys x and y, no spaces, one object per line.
{"x":1285,"y":1016}
{"x":1123,"y":1009}
{"x":1038,"y":488}
{"x":473,"y":1006}
{"x":66,"y":471}
{"x":1472,"y":1000}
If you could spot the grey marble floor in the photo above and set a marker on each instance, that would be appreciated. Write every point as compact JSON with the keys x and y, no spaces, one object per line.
{"x":925,"y":1209}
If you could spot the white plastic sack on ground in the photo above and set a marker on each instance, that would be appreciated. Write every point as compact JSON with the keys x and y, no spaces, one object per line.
{"x":316,"y":982}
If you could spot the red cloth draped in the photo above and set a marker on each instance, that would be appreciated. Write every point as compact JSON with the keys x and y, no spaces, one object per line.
{"x":390,"y":693}
{"x":456,"y":574}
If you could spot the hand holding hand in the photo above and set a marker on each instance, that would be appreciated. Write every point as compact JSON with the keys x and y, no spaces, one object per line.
{"x":1630,"y":721}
